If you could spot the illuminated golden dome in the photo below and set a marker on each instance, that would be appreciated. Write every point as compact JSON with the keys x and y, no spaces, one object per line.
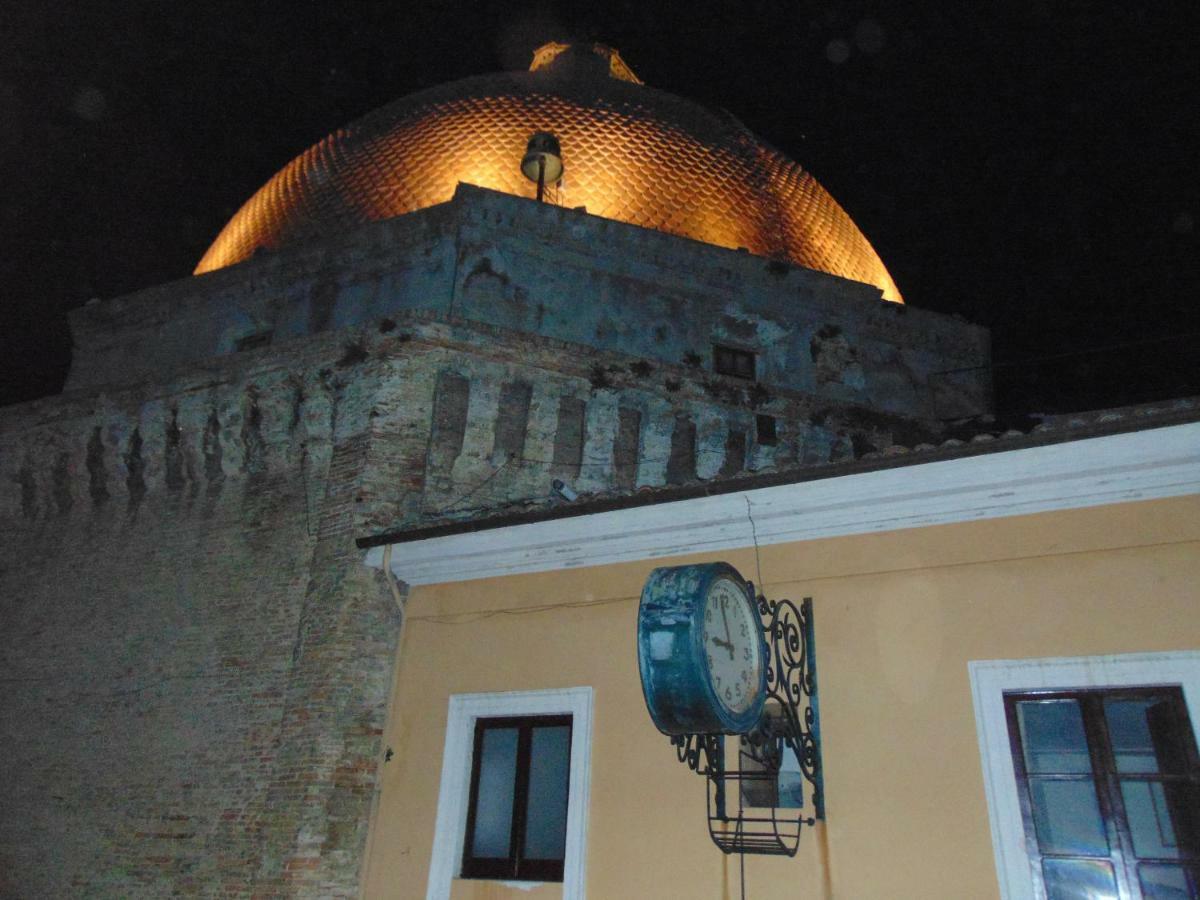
{"x":631,"y":153}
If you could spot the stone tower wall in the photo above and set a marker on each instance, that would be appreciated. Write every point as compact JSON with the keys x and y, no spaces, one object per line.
{"x":196,"y":659}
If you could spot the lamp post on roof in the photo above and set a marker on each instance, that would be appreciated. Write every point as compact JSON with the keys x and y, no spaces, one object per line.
{"x":542,"y":161}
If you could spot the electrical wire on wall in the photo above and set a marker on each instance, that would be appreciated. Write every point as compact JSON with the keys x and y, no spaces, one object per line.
{"x":761,"y":590}
{"x":754,"y":537}
{"x":399,"y":591}
{"x":479,"y":487}
{"x":467,"y":618}
{"x":822,"y":835}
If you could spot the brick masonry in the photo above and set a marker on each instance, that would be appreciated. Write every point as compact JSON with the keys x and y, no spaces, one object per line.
{"x":189,"y":650}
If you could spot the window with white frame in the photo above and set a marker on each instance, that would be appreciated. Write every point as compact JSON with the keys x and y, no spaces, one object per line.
{"x":517,"y":811}
{"x":1092,"y":774}
{"x":513,"y":799}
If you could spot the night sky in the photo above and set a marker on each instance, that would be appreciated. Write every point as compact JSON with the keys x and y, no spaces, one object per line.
{"x":1030,"y":166}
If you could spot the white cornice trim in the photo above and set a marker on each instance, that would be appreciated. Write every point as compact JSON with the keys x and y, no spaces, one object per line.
{"x":1140,"y":465}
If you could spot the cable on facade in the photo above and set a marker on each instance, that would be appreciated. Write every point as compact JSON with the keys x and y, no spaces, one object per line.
{"x":467,"y":618}
{"x":479,"y":486}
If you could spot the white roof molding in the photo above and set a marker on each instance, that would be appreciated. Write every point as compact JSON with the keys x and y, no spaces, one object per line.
{"x":1140,"y":465}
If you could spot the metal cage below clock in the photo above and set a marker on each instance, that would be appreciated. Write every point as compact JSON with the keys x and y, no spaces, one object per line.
{"x":757,"y":802}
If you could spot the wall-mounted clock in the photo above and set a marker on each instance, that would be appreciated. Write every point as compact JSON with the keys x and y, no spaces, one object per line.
{"x":701,"y":651}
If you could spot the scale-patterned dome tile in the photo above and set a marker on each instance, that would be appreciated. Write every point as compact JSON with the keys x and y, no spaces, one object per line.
{"x":630,"y":153}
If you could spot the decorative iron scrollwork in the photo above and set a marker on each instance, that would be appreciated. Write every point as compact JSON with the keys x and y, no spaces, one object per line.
{"x":760,"y":803}
{"x":698,"y":751}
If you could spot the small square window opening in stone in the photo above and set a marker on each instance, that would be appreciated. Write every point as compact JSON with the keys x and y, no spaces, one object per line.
{"x":766,"y":433}
{"x":254,"y":341}
{"x":734,"y":362}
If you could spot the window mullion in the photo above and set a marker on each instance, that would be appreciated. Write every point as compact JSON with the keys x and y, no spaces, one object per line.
{"x":521,"y":798}
{"x":1108,"y":790}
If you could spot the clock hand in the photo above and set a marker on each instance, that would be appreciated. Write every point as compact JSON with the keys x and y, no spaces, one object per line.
{"x":727,"y":645}
{"x":728,"y":636}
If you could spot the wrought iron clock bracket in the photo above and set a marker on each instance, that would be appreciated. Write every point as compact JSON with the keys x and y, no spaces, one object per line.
{"x":758,"y":817}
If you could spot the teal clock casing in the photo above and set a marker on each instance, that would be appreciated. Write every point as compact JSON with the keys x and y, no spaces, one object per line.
{"x":686,"y":676}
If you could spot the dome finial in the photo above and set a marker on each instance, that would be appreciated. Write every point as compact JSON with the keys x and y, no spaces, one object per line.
{"x":598,"y":59}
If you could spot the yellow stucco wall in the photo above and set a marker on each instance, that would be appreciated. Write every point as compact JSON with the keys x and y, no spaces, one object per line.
{"x":898,"y":616}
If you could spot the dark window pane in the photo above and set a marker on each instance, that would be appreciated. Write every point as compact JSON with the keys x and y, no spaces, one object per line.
{"x":1149,"y":819}
{"x":1164,"y":817}
{"x":731,"y":361}
{"x":1052,"y":734}
{"x":494,"y":806}
{"x":1162,"y":882}
{"x":1079,"y":879}
{"x":1066,"y":816}
{"x":546,"y":820}
{"x":1129,"y":729}
{"x":1183,"y":804}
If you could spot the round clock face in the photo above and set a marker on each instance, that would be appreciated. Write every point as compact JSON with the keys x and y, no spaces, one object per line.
{"x":732,"y":646}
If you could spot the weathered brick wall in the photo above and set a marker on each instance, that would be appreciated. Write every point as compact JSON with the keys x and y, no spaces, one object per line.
{"x":469,"y":419}
{"x":195,"y":665}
